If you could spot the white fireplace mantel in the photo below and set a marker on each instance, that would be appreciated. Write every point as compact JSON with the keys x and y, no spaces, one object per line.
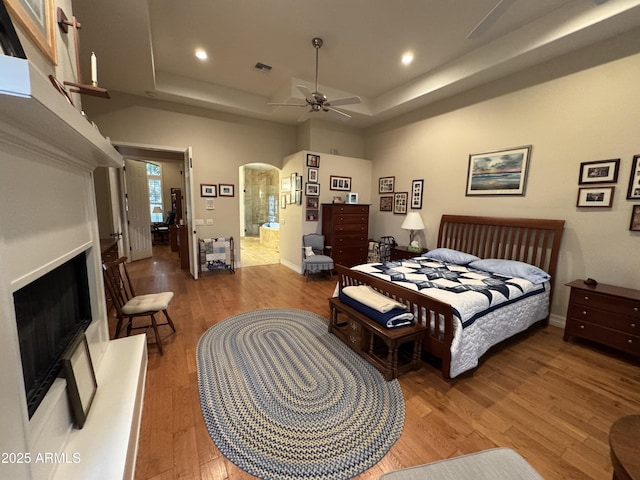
{"x":36,"y":119}
{"x":48,"y":152}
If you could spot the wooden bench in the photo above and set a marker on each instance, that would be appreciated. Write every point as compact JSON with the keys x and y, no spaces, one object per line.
{"x":381,"y":347}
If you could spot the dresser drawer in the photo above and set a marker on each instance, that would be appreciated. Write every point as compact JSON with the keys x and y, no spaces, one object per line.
{"x":348,"y":219}
{"x":624,"y":306}
{"x":587,"y":313}
{"x":351,"y":209}
{"x":352,"y":228}
{"x":603,"y":335}
{"x":350,"y":239}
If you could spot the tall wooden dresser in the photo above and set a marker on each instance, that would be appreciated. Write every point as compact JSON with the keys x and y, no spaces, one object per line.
{"x":346,"y":228}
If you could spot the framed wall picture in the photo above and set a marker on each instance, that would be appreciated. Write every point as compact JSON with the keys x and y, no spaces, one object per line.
{"x":352,"y":198}
{"x":595,"y":197}
{"x":386,"y":203}
{"x":283,"y":201}
{"x":601,"y":171}
{"x":285,"y":184}
{"x":313,"y":202}
{"x":297,"y":198}
{"x":312,"y":215}
{"x":502,"y":172}
{"x":226,"y":190}
{"x":400,"y":200}
{"x":9,"y":41}
{"x":634,"y":226}
{"x":313,"y":160}
{"x":634,"y":179}
{"x":81,"y":379}
{"x":312,"y":189}
{"x":207,"y":190}
{"x":339,"y":183}
{"x":386,"y":184}
{"x":312,"y":175}
{"x":416,"y":194}
{"x":37,"y":17}
{"x":296,"y":181}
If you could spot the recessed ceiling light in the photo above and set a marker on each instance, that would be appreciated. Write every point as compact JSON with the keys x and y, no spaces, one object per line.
{"x":201,"y":54}
{"x":407,"y":58}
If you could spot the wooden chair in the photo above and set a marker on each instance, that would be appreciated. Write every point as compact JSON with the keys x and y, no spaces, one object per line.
{"x":129,"y":305}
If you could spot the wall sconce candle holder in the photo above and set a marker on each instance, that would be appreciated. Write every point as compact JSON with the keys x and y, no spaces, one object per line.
{"x":79,"y":87}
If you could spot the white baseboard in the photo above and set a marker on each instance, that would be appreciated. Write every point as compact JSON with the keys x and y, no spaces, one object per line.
{"x":557,"y":321}
{"x":292,"y":266}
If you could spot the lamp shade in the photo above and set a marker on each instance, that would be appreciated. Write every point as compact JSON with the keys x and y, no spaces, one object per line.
{"x":157,"y":209}
{"x":413,"y":221}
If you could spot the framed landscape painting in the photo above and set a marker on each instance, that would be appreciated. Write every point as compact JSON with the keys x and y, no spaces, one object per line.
{"x":503,"y":172}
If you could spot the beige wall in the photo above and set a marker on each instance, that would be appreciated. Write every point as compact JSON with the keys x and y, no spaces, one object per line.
{"x":220,"y":146}
{"x":293,"y":220}
{"x":588,"y":115}
{"x":581,"y":107}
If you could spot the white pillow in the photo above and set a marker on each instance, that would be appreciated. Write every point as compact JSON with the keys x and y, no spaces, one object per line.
{"x":512,"y":268}
{"x":308,"y":251}
{"x":451,"y":256}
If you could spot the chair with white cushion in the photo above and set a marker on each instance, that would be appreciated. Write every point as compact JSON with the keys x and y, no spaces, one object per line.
{"x":129,"y":305}
{"x":314,"y":255}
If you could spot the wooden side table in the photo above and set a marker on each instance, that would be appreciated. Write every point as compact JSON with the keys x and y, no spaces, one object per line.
{"x":624,"y":438}
{"x":402,"y":253}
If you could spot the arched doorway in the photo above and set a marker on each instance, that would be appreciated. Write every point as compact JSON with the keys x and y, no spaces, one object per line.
{"x":259,"y":214}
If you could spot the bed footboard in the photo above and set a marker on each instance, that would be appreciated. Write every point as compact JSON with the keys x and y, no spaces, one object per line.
{"x":435,"y":315}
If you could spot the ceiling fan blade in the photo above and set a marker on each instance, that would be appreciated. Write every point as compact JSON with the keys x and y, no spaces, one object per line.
{"x":287,"y":104}
{"x":326,"y":108}
{"x":491,"y":17}
{"x":343,"y":101}
{"x":307,"y":93}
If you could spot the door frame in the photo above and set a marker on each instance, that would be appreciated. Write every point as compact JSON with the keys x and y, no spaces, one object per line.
{"x":145,"y":152}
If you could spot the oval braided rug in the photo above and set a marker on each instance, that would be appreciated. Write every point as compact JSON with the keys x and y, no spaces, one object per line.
{"x":284,"y":399}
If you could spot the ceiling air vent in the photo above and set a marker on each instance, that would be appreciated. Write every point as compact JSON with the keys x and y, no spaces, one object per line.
{"x":262,"y":67}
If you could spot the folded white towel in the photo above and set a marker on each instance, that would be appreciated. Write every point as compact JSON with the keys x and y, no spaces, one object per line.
{"x":371,"y":298}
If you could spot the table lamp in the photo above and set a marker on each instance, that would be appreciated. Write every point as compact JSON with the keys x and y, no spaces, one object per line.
{"x":413,"y":222}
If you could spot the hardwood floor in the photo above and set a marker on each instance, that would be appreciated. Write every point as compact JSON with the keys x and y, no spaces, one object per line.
{"x":551,"y":401}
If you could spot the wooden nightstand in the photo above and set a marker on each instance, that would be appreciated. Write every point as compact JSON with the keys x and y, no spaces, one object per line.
{"x":605,"y":314}
{"x":402,"y":253}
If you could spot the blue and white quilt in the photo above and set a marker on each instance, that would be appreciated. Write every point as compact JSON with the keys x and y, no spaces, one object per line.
{"x":471,"y":293}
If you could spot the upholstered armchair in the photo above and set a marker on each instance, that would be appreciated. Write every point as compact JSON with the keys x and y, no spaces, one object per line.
{"x":316,"y":256}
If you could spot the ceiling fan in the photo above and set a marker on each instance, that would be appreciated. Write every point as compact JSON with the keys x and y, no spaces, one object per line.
{"x":317,"y":101}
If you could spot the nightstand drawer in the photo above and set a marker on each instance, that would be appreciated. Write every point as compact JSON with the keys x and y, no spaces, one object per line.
{"x":603,"y":335}
{"x":586,"y":313}
{"x":610,"y":303}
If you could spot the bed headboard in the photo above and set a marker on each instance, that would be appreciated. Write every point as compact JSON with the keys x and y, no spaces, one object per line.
{"x":531,"y":240}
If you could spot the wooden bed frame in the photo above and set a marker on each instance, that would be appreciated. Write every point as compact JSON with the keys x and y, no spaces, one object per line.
{"x":534,"y":241}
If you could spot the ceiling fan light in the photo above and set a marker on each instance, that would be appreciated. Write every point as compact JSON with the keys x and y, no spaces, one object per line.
{"x":407,"y":58}
{"x":201,"y":54}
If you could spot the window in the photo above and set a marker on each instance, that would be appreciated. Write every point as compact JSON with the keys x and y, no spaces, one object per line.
{"x":154,"y":177}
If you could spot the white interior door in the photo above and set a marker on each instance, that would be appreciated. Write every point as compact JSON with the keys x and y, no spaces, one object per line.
{"x":138,"y":216}
{"x":189,"y":200}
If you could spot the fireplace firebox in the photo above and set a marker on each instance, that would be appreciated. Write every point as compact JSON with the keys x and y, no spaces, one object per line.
{"x":50,"y":311}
